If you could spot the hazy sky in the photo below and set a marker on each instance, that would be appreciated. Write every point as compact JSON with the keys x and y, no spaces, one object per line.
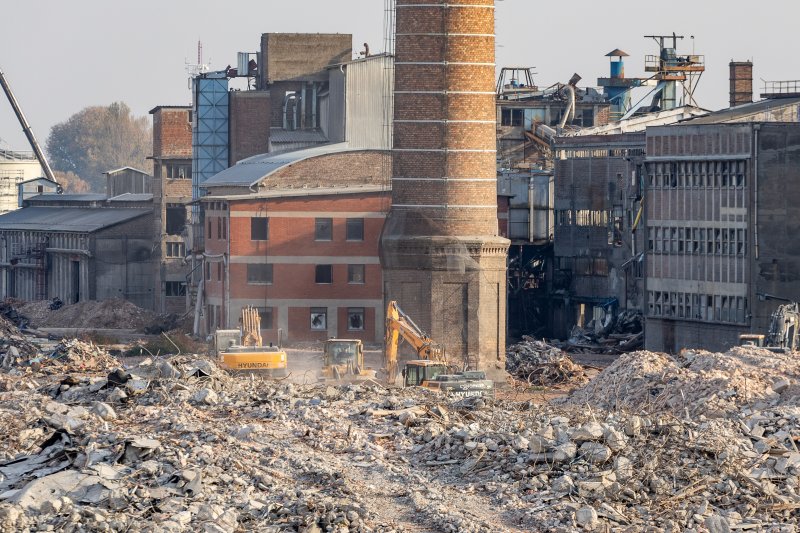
{"x":61,"y":56}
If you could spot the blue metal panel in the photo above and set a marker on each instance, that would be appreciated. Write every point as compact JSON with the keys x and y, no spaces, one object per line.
{"x":209,"y":130}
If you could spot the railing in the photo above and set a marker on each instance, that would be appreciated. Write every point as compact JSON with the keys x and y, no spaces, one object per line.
{"x":781,"y":87}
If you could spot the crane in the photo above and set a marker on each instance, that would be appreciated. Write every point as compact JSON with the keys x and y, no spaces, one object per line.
{"x":26,"y":128}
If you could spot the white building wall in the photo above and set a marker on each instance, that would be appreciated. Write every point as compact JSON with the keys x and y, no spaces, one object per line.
{"x":15,"y":167}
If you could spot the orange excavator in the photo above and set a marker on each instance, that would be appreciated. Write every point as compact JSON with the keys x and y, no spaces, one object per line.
{"x":431,"y":369}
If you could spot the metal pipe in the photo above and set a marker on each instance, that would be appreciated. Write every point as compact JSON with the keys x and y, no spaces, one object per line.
{"x":303,"y":108}
{"x":298,"y":102}
{"x":26,"y":128}
{"x":314,"y":105}
{"x":570,"y":111}
{"x":756,"y":128}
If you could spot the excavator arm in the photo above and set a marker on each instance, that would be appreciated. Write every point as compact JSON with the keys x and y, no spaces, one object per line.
{"x":400,"y":326}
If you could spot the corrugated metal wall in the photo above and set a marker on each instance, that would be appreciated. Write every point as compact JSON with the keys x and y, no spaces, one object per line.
{"x":335,"y":107}
{"x":369,"y":102}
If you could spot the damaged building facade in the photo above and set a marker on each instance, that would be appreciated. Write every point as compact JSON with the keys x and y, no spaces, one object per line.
{"x":722,"y":207}
{"x":172,"y":193}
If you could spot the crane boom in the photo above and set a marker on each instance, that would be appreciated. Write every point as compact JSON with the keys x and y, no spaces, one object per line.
{"x":26,"y":128}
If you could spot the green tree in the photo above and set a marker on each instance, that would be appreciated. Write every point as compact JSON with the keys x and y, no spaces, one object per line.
{"x":98,"y":139}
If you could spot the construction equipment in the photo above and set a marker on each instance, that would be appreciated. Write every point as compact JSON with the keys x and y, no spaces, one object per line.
{"x":431,"y":370}
{"x":343,"y":361}
{"x":242,"y":350}
{"x":784,"y":328}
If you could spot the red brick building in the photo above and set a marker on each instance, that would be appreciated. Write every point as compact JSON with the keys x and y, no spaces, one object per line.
{"x":296,"y":235}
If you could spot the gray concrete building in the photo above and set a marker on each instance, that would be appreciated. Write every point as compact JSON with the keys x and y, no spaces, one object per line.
{"x":723,"y":201}
{"x":78,"y":252}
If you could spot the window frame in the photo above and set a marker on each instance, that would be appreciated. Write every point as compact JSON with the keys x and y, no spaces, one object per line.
{"x":255,"y":229}
{"x":316,"y":312}
{"x":353,"y":311}
{"x":351,"y":279}
{"x":268,"y":269}
{"x":319,"y":224}
{"x":360,"y":227}
{"x":318,"y":270}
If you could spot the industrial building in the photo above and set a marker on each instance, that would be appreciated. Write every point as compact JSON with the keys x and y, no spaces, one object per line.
{"x":721,"y":209}
{"x":172,"y":193}
{"x":86,"y":248}
{"x":626,"y":190}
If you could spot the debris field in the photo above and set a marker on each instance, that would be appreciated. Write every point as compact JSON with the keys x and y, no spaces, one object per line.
{"x":703,"y":442}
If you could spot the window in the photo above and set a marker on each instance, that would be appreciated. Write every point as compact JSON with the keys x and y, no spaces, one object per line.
{"x":259,"y":274}
{"x":176,"y":249}
{"x":355,"y":229}
{"x":355,"y":273}
{"x":209,"y":235}
{"x":323,"y":229}
{"x":323,"y":274}
{"x":259,"y":229}
{"x":175,"y":288}
{"x":175,"y":171}
{"x":219,"y":271}
{"x":319,"y":318}
{"x":176,"y":219}
{"x":208,"y":271}
{"x":355,"y":319}
{"x":266,"y":317}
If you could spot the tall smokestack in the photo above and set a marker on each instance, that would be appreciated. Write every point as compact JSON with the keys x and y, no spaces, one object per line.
{"x":741,"y":82}
{"x":442,"y":257}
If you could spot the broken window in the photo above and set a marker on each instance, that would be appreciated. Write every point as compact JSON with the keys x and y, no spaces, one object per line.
{"x":259,"y":229}
{"x":323,"y":229}
{"x":259,"y":273}
{"x":355,"y":274}
{"x":175,"y":288}
{"x":176,"y":249}
{"x":176,"y":219}
{"x":355,"y":229}
{"x":355,"y":319}
{"x":323,"y":274}
{"x":319,"y":318}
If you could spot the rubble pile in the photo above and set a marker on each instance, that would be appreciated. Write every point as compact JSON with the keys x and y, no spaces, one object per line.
{"x":695,"y":382}
{"x":614,"y":334}
{"x":176,"y":444}
{"x":537,"y":363}
{"x":90,"y":314}
{"x":14,"y":347}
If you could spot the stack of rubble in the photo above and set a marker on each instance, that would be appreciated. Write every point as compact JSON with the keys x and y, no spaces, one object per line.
{"x":537,"y":363}
{"x":14,"y":347}
{"x":177,"y":445}
{"x":89,"y":314}
{"x":614,"y":334}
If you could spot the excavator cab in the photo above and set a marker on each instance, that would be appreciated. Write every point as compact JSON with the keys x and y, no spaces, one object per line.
{"x":343,"y":352}
{"x":417,"y":372}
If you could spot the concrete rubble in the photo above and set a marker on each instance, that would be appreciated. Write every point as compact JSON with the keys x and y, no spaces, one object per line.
{"x":176,"y":444}
{"x":537,"y":363}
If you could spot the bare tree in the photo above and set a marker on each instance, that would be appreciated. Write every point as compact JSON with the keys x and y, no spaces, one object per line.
{"x":98,"y":139}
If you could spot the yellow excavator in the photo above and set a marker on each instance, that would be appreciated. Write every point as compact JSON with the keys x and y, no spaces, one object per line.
{"x":431,"y":370}
{"x":241,"y":349}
